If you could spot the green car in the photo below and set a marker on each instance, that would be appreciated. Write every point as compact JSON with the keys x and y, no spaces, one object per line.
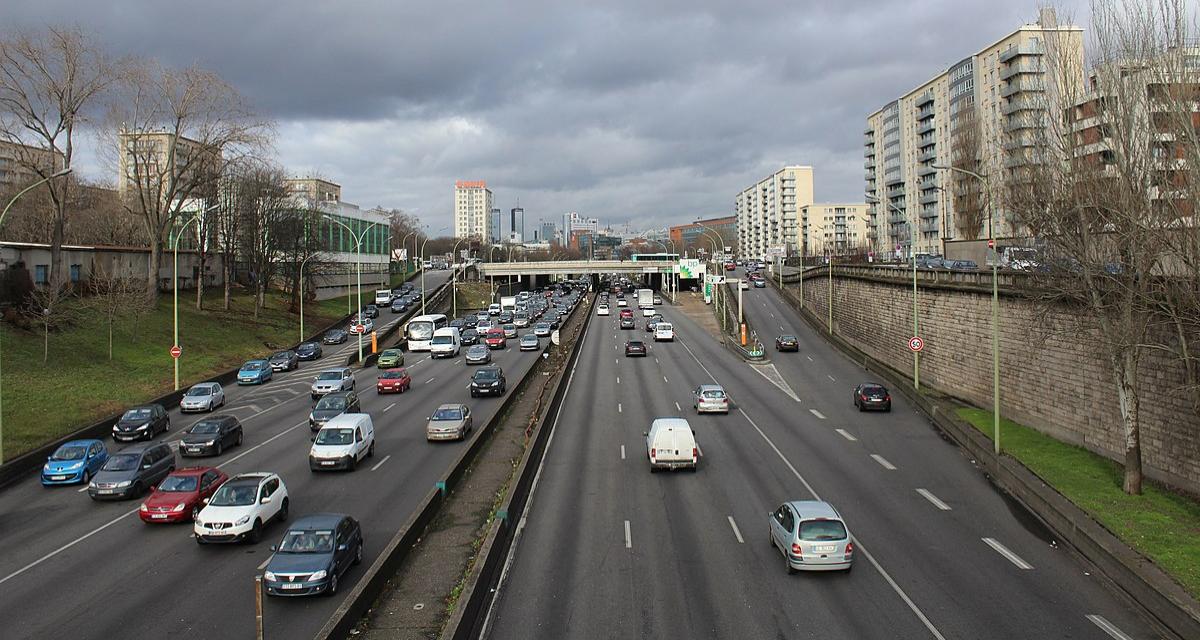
{"x":390,"y":359}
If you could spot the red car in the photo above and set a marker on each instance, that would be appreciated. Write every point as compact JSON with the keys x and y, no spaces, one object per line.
{"x":729,"y":266}
{"x":626,"y":313}
{"x":180,"y":496}
{"x":494,"y":338}
{"x":393,"y":381}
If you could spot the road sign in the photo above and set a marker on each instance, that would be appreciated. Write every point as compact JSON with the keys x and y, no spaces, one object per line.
{"x":176,"y":351}
{"x":915,"y":344}
{"x":358,"y":328}
{"x":991,"y":244}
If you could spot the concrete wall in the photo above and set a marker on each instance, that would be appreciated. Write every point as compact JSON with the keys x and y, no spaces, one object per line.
{"x":119,"y":261}
{"x":1052,"y":383}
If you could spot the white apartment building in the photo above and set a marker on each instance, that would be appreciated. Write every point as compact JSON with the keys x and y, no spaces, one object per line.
{"x":768,"y":213}
{"x":977,"y":115}
{"x":472,"y":210}
{"x":833,"y":229}
{"x":572,"y":221}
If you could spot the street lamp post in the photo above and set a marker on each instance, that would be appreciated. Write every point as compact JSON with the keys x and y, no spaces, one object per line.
{"x":995,"y":304}
{"x":4,"y":213}
{"x":403,"y":242}
{"x":358,"y":238}
{"x":454,"y":279}
{"x":175,"y":281}
{"x":301,"y":294}
{"x":912,"y":241}
{"x":423,"y":296}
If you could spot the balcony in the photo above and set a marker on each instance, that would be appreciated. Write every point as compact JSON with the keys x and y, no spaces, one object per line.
{"x":926,"y":126}
{"x":869,"y":176}
{"x":929,"y":198}
{"x":928,"y":154}
{"x":1025,"y":121}
{"x":1021,"y":85}
{"x":1018,"y":68}
{"x":926,"y":169}
{"x":870,"y":163}
{"x":932,"y":226}
{"x":1022,"y":103}
{"x":1024,"y":49}
{"x":892,"y":179}
{"x":925,"y":98}
{"x":896,"y":218}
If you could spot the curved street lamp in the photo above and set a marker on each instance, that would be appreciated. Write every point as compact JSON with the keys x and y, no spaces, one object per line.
{"x":423,"y":268}
{"x":175,"y":281}
{"x":454,"y":279}
{"x":358,"y":238}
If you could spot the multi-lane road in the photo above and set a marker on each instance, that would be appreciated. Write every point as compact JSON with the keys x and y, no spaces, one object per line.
{"x":81,"y":569}
{"x":608,"y":550}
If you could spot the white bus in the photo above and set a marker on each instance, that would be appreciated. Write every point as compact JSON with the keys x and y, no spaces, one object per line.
{"x":419,"y":330}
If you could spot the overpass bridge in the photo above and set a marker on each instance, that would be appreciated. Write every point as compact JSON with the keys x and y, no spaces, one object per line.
{"x":572,"y":267}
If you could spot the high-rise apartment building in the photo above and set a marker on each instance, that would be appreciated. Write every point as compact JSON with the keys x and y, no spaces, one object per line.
{"x":314,"y":190}
{"x":979,"y":115}
{"x":18,"y":163}
{"x":150,"y":158}
{"x":767,"y":213}
{"x":833,"y":229}
{"x":472,"y":210}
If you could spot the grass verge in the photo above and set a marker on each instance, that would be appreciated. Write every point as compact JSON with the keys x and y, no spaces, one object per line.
{"x":473,"y":296}
{"x":79,"y":384}
{"x":1162,"y":525}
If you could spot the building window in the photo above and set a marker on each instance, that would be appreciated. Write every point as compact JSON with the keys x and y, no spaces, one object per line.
{"x":41,"y":274}
{"x":75,"y":272}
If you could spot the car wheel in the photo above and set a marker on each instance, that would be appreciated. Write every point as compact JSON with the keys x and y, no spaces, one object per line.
{"x":256,"y":532}
{"x":358,"y":553}
{"x":220,"y":447}
{"x":371,"y":450}
{"x":199,"y":540}
{"x":239,"y":439}
{"x":167,"y":425}
{"x":788,"y":564}
{"x":283,"y":511}
{"x":333,"y":583}
{"x":195,"y":512}
{"x":86,"y":477}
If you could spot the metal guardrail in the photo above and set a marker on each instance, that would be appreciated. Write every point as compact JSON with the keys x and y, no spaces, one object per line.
{"x":931,"y":278}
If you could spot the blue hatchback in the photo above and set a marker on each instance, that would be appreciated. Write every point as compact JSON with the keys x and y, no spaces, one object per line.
{"x":254,"y":372}
{"x":74,"y":462}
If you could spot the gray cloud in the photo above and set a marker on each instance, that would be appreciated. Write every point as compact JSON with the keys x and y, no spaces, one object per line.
{"x":655,"y":112}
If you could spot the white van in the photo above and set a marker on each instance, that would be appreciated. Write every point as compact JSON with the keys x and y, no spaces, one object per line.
{"x":671,"y":444}
{"x":446,"y":343}
{"x":494,"y":309}
{"x":663,"y":331}
{"x":383,"y":297}
{"x":342,"y":442}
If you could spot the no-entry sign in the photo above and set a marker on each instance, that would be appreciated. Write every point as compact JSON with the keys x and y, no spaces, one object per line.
{"x":176,"y":351}
{"x":358,"y":328}
{"x":915,"y":344}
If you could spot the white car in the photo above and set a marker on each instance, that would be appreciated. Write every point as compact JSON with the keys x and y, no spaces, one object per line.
{"x":331,"y":380}
{"x":621,"y":302}
{"x":383,"y":297}
{"x":602,"y":310}
{"x":343,"y":442}
{"x":648,"y":312}
{"x":205,"y":396}
{"x":664,"y":332}
{"x":241,"y":508}
{"x":367,"y":323}
{"x":671,"y":444}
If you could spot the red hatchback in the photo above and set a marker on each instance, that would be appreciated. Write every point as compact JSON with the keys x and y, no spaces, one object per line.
{"x":180,"y":496}
{"x":626,"y":313}
{"x":393,"y":381}
{"x":494,"y":338}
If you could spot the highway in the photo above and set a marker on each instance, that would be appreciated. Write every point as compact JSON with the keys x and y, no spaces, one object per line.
{"x":77,"y":568}
{"x":609,"y":550}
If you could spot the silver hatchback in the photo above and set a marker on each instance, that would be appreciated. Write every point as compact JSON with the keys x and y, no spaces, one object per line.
{"x":812,"y":536}
{"x":449,"y":422}
{"x":710,"y":398}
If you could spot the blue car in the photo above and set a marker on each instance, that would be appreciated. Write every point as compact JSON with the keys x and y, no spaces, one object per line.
{"x":74,"y":462}
{"x":313,"y":555}
{"x":254,"y":372}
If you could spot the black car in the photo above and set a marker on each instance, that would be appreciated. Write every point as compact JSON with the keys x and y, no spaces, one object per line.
{"x":332,"y":405}
{"x":458,"y":323}
{"x":141,"y":423}
{"x":371,"y":311}
{"x":872,"y":395}
{"x":488,"y":381}
{"x":284,"y":360}
{"x":468,"y":337}
{"x":787,"y":343}
{"x":309,"y":351}
{"x":322,"y":546}
{"x":635,"y":348}
{"x":399,"y":305}
{"x":471,"y":321}
{"x":335,"y":336}
{"x":211,"y":436}
{"x":505,"y":317}
{"x":130,"y":471}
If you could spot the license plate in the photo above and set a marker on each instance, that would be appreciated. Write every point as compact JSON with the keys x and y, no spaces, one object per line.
{"x":327,"y":463}
{"x":104,"y":492}
{"x":824,"y":548}
{"x":58,"y":477}
{"x":158,"y":516}
{"x":290,"y":586}
{"x":194,"y":449}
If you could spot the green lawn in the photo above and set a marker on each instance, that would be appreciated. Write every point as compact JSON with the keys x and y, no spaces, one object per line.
{"x":473,"y":296}
{"x":42,"y":402}
{"x":1162,"y":525}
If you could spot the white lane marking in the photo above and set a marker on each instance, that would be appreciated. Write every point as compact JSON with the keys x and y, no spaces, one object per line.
{"x":665,"y":380}
{"x":773,"y":376}
{"x":628,"y":539}
{"x":737,"y":534}
{"x":883,"y":462}
{"x":389,"y":407}
{"x":618,"y":379}
{"x":816,"y":413}
{"x":1004,"y":551}
{"x":846,"y":434}
{"x":656,"y":360}
{"x":430,"y":380}
{"x":831,"y":377}
{"x":380,"y":463}
{"x":618,"y":361}
{"x":809,"y":358}
{"x":266,"y":562}
{"x":1108,"y":627}
{"x":678,"y":408}
{"x":925,"y":493}
{"x":781,"y":328}
{"x":618,"y":407}
{"x":622,"y":452}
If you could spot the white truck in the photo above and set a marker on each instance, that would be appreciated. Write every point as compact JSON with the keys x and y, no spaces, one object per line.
{"x":508,"y":303}
{"x":645,"y":298}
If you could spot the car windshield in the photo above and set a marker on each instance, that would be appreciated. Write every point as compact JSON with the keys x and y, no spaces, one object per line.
{"x":787,"y":338}
{"x":334,"y":334}
{"x":874,"y":391}
{"x":663,"y":326}
{"x":528,"y":338}
{"x":487,"y":374}
{"x":495,"y":333}
{"x":390,"y":353}
{"x":822,"y":530}
{"x":634,"y":345}
{"x":200,"y":391}
{"x":179,"y":484}
{"x":714,"y":393}
{"x":122,"y":462}
{"x":238,"y":495}
{"x":70,"y":452}
{"x":136,"y":414}
{"x":307,"y":542}
{"x":331,"y":402}
{"x":448,"y":414}
{"x":394,"y":373}
{"x":420,"y":330}
{"x":252,"y":366}
{"x":542,"y":325}
{"x":329,"y":375}
{"x":442,"y":340}
{"x":307,"y":346}
{"x":282,"y":354}
{"x":335,"y":436}
{"x":205,"y":427}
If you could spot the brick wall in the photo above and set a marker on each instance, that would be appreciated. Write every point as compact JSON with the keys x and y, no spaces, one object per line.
{"x":1050,"y":381}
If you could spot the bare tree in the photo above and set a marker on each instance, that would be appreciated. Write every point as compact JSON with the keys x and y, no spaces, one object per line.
{"x":966,"y":152}
{"x":175,"y":133}
{"x":48,"y":82}
{"x":268,"y":207}
{"x":52,"y":307}
{"x":113,"y":298}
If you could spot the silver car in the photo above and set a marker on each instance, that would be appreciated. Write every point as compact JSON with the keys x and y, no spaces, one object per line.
{"x":530,"y":342}
{"x":478,"y":354}
{"x":331,"y":380}
{"x":710,"y":398}
{"x":449,"y":422}
{"x":542,"y":330}
{"x":205,"y":396}
{"x":812,"y":536}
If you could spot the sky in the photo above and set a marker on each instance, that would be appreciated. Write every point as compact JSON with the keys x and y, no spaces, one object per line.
{"x":646,"y":112}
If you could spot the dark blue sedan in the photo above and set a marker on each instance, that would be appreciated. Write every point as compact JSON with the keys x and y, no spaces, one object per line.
{"x":75,"y":462}
{"x":313,"y":555}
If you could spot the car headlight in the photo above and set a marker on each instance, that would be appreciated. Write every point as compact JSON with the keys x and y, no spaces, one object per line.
{"x":320,"y":575}
{"x":242,"y":520}
{"x":210,"y":443}
{"x":143,"y":507}
{"x":122,"y":485}
{"x":141,"y":428}
{"x":91,"y":485}
{"x":180,"y":507}
{"x":46,"y":467}
{"x":267,"y":575}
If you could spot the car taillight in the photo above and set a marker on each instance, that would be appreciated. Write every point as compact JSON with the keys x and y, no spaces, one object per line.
{"x":887,"y":398}
{"x":864,"y":397}
{"x":796,"y":550}
{"x":653,"y":452}
{"x":695,"y":454}
{"x":849,"y":549}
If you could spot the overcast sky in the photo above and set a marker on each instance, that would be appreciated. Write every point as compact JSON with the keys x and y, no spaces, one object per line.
{"x":652,"y":112}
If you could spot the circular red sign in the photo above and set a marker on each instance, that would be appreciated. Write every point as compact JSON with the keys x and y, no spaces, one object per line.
{"x":357,"y":328}
{"x":176,"y":351}
{"x":991,"y":244}
{"x":915,"y":343}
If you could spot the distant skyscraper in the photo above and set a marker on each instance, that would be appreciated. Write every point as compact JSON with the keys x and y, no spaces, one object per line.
{"x":518,"y":230}
{"x":497,"y":220}
{"x":549,"y":232}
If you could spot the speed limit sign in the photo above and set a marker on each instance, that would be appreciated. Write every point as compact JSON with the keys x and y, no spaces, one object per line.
{"x":915,"y":344}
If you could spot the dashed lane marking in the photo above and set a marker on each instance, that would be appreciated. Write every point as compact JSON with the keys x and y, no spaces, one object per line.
{"x":1108,"y":627}
{"x":816,"y":413}
{"x":628,"y":539}
{"x":883,"y":462}
{"x":1008,"y":555}
{"x":737,"y":534}
{"x":622,"y":452}
{"x":389,"y":407}
{"x":380,"y":463}
{"x":846,"y":434}
{"x":925,"y":493}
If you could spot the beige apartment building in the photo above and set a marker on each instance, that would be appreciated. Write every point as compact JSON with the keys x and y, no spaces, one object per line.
{"x":768,"y":213}
{"x":982,"y":114}
{"x":472,"y":210}
{"x":314,"y":190}
{"x":17,"y":162}
{"x":833,"y":229}
{"x":149,"y":157}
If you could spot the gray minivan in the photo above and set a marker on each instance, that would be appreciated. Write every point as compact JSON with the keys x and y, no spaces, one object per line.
{"x":128,"y":473}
